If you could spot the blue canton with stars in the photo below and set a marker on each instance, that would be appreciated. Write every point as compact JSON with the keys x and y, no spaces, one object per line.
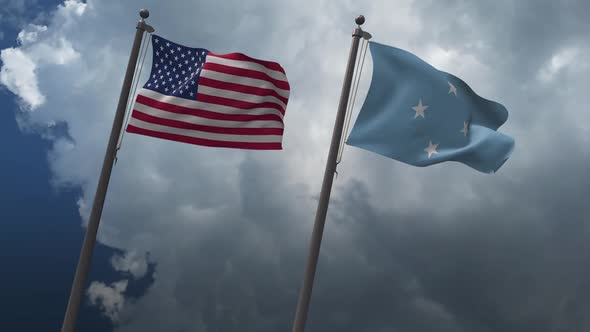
{"x":175,"y":68}
{"x":421,"y":116}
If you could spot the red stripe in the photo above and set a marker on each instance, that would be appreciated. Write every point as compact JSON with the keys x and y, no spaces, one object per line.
{"x":204,"y":113}
{"x":242,"y":57}
{"x":205,"y":142}
{"x":237,"y":103}
{"x":245,"y":73}
{"x":241,"y":88}
{"x":210,"y":129}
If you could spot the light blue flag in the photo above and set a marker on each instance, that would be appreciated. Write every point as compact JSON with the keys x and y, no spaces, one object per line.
{"x":421,"y":116}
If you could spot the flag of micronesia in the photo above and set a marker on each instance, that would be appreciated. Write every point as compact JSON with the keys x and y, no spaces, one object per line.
{"x":421,"y":116}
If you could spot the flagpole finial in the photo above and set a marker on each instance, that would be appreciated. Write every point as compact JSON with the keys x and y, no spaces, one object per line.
{"x":359,"y":20}
{"x":144,"y":13}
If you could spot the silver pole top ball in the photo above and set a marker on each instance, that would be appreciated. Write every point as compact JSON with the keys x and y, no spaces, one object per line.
{"x":144,"y":13}
{"x":360,"y":20}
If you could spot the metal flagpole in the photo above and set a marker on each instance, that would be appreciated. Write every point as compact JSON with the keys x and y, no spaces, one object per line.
{"x":83,"y":267}
{"x":320,"y":218}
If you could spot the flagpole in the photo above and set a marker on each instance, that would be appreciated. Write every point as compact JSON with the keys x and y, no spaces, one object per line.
{"x":83,"y":268}
{"x":320,"y":218}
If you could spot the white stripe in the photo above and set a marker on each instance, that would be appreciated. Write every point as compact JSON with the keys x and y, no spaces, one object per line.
{"x":204,"y":121}
{"x":207,"y":90}
{"x":206,"y":106}
{"x":205,"y":135}
{"x":254,"y":82}
{"x":277,"y":75}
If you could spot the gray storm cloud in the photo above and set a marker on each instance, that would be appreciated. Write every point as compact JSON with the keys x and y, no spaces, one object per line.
{"x":406,"y":249}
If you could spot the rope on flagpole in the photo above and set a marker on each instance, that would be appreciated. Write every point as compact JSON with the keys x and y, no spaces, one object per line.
{"x":143,"y":52}
{"x":356,"y":82}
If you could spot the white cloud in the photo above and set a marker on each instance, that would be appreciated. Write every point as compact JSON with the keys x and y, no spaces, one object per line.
{"x":18,"y":75}
{"x":30,"y":34}
{"x":72,"y":7}
{"x":109,"y":299}
{"x":39,"y":47}
{"x":131,"y":262}
{"x":558,"y":61}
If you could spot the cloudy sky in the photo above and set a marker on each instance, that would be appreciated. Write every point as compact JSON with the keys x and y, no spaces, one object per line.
{"x":222,"y":235}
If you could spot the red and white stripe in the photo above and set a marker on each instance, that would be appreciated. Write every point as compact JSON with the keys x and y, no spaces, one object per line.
{"x":240,"y":103}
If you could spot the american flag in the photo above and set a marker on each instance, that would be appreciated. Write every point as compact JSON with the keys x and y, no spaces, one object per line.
{"x":219,"y":100}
